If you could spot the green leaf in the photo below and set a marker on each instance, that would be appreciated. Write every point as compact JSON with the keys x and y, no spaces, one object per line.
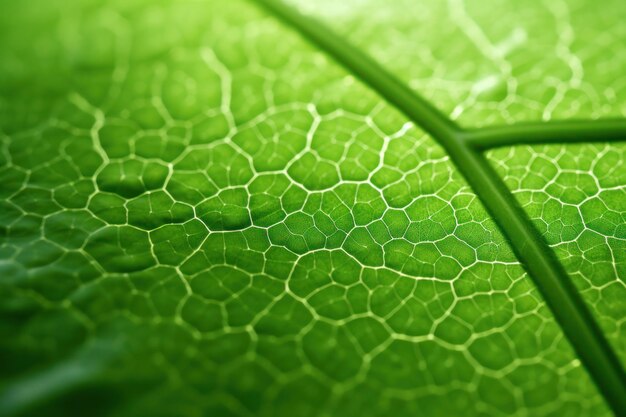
{"x":216,"y":208}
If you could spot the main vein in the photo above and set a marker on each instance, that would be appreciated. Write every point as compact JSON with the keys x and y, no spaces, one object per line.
{"x":539,"y":260}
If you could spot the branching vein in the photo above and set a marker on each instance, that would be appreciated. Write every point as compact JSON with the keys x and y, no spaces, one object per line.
{"x":465,"y":150}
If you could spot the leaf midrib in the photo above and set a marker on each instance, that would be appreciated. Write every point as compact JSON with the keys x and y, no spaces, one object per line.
{"x":465,"y":148}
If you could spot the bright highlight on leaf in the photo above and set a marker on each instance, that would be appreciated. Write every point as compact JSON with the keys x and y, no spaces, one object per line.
{"x":235,"y":209}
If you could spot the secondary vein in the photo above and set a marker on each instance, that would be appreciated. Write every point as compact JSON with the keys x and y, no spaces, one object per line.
{"x":566,"y":131}
{"x":463,"y":147}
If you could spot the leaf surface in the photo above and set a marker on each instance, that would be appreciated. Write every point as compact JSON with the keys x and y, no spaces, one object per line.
{"x":205,"y":214}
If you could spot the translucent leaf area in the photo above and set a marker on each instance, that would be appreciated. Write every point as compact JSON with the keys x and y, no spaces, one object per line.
{"x":495,"y":62}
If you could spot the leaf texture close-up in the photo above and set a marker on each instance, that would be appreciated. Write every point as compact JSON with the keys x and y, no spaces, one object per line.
{"x":297,"y":208}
